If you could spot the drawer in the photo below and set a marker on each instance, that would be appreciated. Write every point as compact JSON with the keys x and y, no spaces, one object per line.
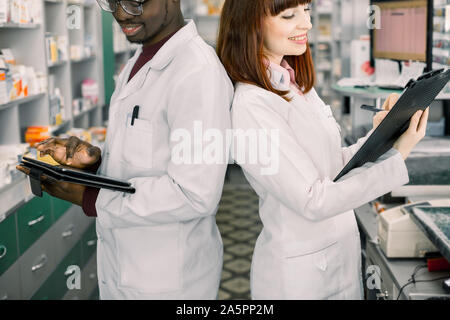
{"x":95,"y":294}
{"x":90,"y":280}
{"x":61,"y":277}
{"x":67,"y":233}
{"x":10,"y":283}
{"x":37,"y":264}
{"x":387,"y":282}
{"x":33,"y":219}
{"x":89,"y":242}
{"x":82,"y":219}
{"x":9,"y":250}
{"x":60,"y":207}
{"x":56,"y":285}
{"x":74,"y":295}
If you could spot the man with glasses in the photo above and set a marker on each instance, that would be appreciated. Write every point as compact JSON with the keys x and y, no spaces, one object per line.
{"x":161,"y":242}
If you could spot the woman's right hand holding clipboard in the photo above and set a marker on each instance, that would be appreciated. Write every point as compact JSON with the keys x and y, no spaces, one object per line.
{"x":415,"y":133}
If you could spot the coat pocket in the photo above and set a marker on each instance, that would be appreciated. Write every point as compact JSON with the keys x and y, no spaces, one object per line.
{"x":149,"y":258}
{"x":301,"y":248}
{"x":138,"y":144}
{"x":311,"y":270}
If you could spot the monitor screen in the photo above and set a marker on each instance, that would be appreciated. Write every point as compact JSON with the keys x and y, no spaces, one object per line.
{"x":403,"y":33}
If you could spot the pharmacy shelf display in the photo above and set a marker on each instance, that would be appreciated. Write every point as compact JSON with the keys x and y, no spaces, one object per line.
{"x":51,"y":74}
{"x":441,"y":38}
{"x":58,"y":71}
{"x":321,"y":44}
{"x":51,"y":68}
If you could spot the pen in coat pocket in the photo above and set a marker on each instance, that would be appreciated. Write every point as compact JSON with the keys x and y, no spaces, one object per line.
{"x":135,"y":115}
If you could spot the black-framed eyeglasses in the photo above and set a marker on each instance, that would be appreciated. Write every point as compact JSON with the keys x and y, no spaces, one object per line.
{"x":133,"y":7}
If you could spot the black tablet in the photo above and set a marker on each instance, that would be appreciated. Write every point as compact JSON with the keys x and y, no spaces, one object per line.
{"x":418,"y":95}
{"x":72,"y":175}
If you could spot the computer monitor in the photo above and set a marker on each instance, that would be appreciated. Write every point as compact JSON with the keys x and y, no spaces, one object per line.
{"x":405,"y":33}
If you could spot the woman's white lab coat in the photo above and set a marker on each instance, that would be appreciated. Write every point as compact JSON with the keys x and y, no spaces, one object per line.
{"x":309,"y":247}
{"x":162,"y":242}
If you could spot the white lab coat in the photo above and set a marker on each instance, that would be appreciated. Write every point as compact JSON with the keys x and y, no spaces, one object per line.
{"x":163,"y":242}
{"x":309,"y":247}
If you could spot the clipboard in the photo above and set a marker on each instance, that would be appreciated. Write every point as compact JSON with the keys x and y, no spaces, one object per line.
{"x":418,"y":95}
{"x":72,"y":175}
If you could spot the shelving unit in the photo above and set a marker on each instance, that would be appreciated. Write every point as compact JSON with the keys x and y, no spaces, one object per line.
{"x":441,"y":38}
{"x":27,"y":43}
{"x":335,"y":24}
{"x":17,"y":115}
{"x":321,"y":44}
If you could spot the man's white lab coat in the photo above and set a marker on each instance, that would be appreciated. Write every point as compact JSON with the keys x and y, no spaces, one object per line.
{"x":162,"y":242}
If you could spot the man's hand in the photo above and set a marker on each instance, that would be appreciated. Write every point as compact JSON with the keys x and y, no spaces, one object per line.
{"x":388,"y":105}
{"x":71,"y":152}
{"x":62,"y":190}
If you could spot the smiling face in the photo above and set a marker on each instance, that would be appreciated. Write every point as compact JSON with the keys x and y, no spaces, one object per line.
{"x":159,"y":19}
{"x":286,"y":33}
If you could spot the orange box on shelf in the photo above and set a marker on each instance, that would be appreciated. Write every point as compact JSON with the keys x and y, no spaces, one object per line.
{"x":36,"y":134}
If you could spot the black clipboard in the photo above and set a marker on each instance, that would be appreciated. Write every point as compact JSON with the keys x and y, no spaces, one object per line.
{"x":72,"y":175}
{"x":418,"y":95}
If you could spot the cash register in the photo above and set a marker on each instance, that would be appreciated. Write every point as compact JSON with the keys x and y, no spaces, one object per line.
{"x":399,"y":234}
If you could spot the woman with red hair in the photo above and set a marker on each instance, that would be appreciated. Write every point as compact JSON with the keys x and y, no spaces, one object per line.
{"x":309,"y":247}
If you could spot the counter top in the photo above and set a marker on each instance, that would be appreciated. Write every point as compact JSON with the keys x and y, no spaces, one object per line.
{"x":375,"y":92}
{"x":14,"y":195}
{"x":400,"y":269}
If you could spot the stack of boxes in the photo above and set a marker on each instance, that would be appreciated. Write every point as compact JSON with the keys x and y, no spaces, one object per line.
{"x":441,"y":36}
{"x":20,"y":11}
{"x":56,"y":47}
{"x":18,"y":81}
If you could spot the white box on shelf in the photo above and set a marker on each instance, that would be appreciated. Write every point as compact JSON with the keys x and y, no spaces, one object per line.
{"x":24,"y":13}
{"x":360,"y":55}
{"x":15,"y":11}
{"x":3,"y":93}
{"x":4,"y":11}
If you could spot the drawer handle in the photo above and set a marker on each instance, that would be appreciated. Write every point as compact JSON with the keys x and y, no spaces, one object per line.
{"x":5,"y":297}
{"x":91,"y":243}
{"x":40,"y":265}
{"x":69,"y":232}
{"x":2,"y":251}
{"x":36,"y":221}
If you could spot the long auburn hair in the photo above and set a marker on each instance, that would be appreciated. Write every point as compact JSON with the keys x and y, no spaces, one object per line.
{"x":240,"y":44}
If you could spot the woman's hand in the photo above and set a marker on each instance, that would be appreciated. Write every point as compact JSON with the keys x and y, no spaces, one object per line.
{"x":62,"y":190}
{"x":388,"y":105}
{"x":71,"y":152}
{"x":414,"y":134}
